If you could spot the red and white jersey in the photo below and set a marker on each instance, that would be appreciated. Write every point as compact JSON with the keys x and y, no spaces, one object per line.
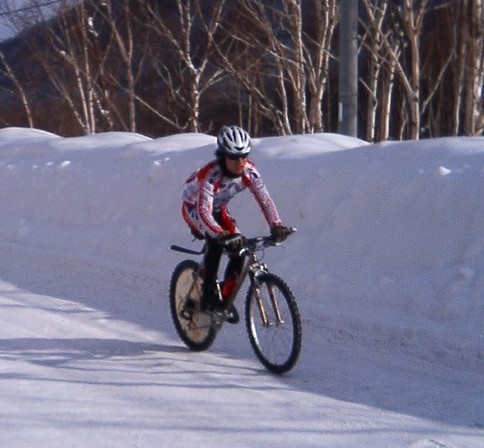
{"x":208,"y":191}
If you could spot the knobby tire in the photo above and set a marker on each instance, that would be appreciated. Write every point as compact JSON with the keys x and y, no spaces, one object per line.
{"x":197,"y":333}
{"x":277,"y":345}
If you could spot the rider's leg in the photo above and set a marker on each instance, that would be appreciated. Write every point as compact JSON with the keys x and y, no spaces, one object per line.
{"x":235,"y":263}
{"x":211,"y":266}
{"x":232,"y":273}
{"x":212,"y":255}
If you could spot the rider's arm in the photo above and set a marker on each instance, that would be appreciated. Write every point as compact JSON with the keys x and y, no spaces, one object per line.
{"x":256,"y":185}
{"x":206,"y":189}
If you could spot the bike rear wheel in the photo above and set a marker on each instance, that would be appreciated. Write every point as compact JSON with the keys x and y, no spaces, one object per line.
{"x":193,"y":326}
{"x":273,"y":323}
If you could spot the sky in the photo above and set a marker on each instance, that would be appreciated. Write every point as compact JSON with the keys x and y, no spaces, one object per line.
{"x":20,"y":7}
{"x":387,"y":267}
{"x":5,"y":31}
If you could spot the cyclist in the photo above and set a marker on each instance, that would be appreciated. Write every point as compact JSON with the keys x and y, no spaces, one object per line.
{"x":205,"y":196}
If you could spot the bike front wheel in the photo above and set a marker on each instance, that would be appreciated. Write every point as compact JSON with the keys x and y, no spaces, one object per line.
{"x":193,"y":326}
{"x":273,"y":323}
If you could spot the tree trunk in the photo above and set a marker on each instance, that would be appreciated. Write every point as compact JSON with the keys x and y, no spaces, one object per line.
{"x":18,"y":85}
{"x":473,"y":108}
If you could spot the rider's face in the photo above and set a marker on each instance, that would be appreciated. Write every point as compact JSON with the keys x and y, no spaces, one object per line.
{"x":236,"y":165}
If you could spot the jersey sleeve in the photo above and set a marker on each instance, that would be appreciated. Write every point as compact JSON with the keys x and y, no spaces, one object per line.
{"x":256,"y":185}
{"x":205,"y":207}
{"x":198,"y":192}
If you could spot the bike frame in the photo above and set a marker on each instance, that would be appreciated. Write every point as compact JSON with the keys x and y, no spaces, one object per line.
{"x":252,"y":268}
{"x":273,"y":321}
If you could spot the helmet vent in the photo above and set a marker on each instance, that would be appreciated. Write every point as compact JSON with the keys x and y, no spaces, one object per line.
{"x":233,"y":140}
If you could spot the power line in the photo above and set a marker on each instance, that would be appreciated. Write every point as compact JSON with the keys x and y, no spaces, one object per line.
{"x":28,"y":8}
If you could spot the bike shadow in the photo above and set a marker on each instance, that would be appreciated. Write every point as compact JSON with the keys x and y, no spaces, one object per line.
{"x":61,"y":352}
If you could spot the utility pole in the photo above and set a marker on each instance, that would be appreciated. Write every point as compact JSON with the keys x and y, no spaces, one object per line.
{"x":348,"y":68}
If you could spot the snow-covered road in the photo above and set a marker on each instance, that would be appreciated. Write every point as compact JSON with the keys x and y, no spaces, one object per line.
{"x":88,"y":357}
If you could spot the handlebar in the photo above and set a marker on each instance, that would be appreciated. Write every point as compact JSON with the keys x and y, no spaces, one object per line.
{"x":253,"y":244}
{"x":263,"y":241}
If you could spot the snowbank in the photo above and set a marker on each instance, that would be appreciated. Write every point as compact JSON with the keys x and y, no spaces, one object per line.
{"x":390,"y":245}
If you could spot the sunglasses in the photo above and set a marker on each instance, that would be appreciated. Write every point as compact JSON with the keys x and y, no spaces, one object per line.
{"x":236,"y":157}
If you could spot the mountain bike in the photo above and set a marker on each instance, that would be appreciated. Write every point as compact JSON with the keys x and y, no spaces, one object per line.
{"x":271,"y":313}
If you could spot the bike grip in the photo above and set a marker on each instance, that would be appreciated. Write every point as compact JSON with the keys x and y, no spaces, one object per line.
{"x":184,"y":250}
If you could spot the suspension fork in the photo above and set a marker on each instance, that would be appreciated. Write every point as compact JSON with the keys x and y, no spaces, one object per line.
{"x":255,"y":268}
{"x":275,"y":306}
{"x":260,"y":302}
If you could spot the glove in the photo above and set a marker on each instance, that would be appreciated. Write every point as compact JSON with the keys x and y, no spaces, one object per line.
{"x":233,"y":242}
{"x":280,"y":233}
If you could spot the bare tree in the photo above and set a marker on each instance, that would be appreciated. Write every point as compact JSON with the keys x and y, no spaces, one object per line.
{"x":293,"y":59}
{"x":438,"y":54}
{"x":383,"y":41}
{"x":294,"y":66}
{"x":372,"y":41}
{"x":65,"y":55}
{"x":471,"y":14}
{"x":255,"y":63}
{"x":408,"y":22}
{"x":386,"y":96}
{"x":125,"y":43}
{"x":18,"y":20}
{"x":114,"y":64}
{"x":255,"y":98}
{"x":9,"y":73}
{"x":411,"y":19}
{"x":317,"y":59}
{"x":191,"y":41}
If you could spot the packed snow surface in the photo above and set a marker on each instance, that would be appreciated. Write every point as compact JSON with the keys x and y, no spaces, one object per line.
{"x":387,"y":267}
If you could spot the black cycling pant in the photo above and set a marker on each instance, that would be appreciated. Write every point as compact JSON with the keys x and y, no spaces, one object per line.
{"x":212,"y":264}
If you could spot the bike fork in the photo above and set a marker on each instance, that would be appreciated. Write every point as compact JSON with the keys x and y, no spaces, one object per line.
{"x":262,"y":309}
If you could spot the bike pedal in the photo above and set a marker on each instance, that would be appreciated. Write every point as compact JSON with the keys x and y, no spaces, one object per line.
{"x":222,"y":315}
{"x":186,"y":314}
{"x":218,"y":318}
{"x":232,"y":316}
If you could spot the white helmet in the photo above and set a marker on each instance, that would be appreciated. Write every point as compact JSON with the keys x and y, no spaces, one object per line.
{"x":233,"y":141}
